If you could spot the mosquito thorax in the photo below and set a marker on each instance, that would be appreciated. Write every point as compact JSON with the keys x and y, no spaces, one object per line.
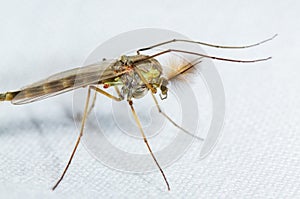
{"x":130,"y":60}
{"x":132,"y":84}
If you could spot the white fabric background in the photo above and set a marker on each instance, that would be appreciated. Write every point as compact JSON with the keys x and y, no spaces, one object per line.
{"x":258,"y":155}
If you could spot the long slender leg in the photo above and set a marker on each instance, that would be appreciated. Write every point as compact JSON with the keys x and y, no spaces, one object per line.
{"x":106,"y":93}
{"x":118,"y":91}
{"x":98,"y":90}
{"x":139,"y":125}
{"x":146,"y":142}
{"x":205,"y":44}
{"x":183,"y":69}
{"x":174,"y":123}
{"x":93,"y":103}
{"x":78,"y":139}
{"x":158,"y":107}
{"x":203,"y":55}
{"x":85,"y":115}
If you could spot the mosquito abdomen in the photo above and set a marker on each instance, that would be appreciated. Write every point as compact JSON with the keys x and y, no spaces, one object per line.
{"x":8,"y":96}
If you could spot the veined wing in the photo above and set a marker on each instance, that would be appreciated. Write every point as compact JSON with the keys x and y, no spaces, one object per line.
{"x":66,"y":81}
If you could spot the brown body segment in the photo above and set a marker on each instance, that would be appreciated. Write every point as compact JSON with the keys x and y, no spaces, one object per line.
{"x":47,"y":88}
{"x":94,"y":74}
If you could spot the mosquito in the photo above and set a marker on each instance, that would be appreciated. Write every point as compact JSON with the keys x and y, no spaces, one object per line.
{"x":132,"y":76}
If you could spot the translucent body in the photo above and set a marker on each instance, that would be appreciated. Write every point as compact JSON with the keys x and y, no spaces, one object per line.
{"x":122,"y":72}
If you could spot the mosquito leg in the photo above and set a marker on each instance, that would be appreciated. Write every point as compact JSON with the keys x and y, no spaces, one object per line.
{"x":98,"y":90}
{"x":205,"y":44}
{"x":78,"y":139}
{"x":174,"y":123}
{"x":203,"y":55}
{"x":95,"y":98}
{"x":106,"y":93}
{"x":184,"y":69}
{"x":118,"y":91}
{"x":157,"y":105}
{"x":93,"y":103}
{"x":146,"y":142}
{"x":138,"y":123}
{"x":85,"y":115}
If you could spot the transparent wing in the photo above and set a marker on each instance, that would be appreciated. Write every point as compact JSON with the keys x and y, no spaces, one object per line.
{"x":66,"y":81}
